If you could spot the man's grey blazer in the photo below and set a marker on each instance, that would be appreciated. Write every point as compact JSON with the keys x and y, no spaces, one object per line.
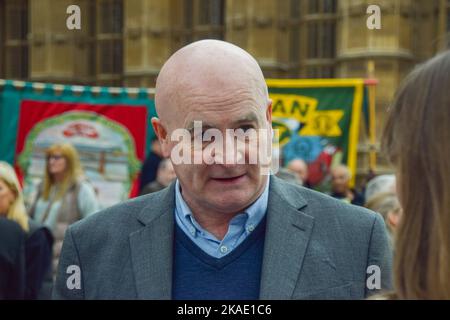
{"x":316,"y":247}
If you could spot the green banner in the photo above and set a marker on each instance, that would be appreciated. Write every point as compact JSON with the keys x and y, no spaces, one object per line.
{"x":318,"y":121}
{"x":13,"y":93}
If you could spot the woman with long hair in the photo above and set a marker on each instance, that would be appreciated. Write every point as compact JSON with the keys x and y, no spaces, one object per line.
{"x":64,"y":196}
{"x":416,"y":140}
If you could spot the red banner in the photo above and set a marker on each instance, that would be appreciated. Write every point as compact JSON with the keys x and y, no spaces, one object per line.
{"x":109,"y":138}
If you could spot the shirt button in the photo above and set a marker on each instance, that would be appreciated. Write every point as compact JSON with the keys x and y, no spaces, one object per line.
{"x":192,"y":231}
{"x":223,"y":249}
{"x":250,"y":228}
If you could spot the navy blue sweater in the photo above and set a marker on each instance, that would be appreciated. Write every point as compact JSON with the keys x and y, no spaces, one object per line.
{"x":236,"y":276}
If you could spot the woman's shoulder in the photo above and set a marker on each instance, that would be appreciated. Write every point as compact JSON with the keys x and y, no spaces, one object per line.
{"x":86,"y":191}
{"x":85,"y":185}
{"x":10,"y":229}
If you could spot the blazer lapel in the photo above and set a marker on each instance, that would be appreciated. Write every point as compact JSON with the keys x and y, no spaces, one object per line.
{"x":152,"y":248}
{"x":287,"y":235}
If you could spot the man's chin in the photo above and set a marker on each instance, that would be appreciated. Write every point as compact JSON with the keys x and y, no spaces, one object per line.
{"x":223,"y":183}
{"x":230,"y":200}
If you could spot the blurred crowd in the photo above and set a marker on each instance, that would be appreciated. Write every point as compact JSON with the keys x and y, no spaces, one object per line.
{"x":29,"y":254}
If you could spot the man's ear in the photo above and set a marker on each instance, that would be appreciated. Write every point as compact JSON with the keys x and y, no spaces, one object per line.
{"x":269,"y":111}
{"x":162,"y":135}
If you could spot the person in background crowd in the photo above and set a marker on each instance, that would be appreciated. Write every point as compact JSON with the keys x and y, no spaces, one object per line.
{"x":64,"y":196}
{"x":38,"y":242}
{"x":12,"y":253}
{"x":386,"y":203}
{"x":340,"y":186}
{"x":164,"y":176}
{"x":150,"y":167}
{"x":416,"y":141}
{"x":300,"y":168}
{"x":379,"y":184}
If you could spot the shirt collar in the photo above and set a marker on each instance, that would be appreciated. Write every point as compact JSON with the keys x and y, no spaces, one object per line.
{"x":253,"y":214}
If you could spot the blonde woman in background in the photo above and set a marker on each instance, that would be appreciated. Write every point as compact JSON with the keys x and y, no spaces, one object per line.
{"x":64,"y":196}
{"x":38,"y":241}
{"x":13,"y":205}
{"x":416,"y":140}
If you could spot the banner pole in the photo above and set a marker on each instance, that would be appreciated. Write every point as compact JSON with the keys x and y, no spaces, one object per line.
{"x":371,"y":87}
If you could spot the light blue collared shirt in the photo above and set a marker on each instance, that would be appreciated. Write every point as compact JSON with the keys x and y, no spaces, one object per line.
{"x":238,"y":230}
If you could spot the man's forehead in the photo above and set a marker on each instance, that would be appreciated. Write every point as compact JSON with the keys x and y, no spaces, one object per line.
{"x":340,"y":172}
{"x":249,"y":116}
{"x":208,"y":70}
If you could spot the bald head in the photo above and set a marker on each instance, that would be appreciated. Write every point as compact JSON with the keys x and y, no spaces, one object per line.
{"x":341,"y":170}
{"x":209,"y":69}
{"x":300,"y":168}
{"x":340,"y":178}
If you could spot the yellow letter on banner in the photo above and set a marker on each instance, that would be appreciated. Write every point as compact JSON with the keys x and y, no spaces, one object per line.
{"x":323,"y":123}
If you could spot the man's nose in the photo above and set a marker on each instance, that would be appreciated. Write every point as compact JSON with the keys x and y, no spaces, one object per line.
{"x":230,"y":154}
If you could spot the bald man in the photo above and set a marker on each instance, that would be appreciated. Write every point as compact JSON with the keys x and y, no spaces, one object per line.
{"x":300,"y":168}
{"x":224,"y":229}
{"x":340,"y":186}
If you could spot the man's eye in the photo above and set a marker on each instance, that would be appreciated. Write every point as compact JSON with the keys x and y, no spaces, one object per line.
{"x":246,"y":127}
{"x":200,"y":137}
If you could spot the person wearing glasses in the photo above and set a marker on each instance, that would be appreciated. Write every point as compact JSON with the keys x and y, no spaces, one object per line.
{"x":64,"y":196}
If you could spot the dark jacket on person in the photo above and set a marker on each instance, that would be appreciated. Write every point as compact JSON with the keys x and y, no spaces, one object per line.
{"x":358,"y":198}
{"x":12,"y":260}
{"x":154,"y":186}
{"x":38,"y":252}
{"x":149,"y":170}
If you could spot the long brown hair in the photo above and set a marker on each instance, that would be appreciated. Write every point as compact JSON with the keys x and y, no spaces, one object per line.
{"x":416,"y":140}
{"x":73,"y":169}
